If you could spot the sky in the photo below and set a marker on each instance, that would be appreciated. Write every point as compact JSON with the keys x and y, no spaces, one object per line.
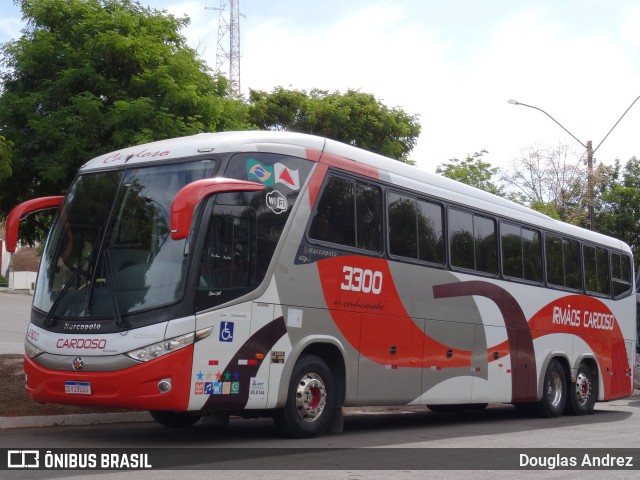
{"x":454,"y":63}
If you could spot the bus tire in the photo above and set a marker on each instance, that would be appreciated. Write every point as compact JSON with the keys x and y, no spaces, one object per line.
{"x":525,"y":409}
{"x":174,"y":419}
{"x":554,"y":391}
{"x":582,"y":392}
{"x":311,"y":399}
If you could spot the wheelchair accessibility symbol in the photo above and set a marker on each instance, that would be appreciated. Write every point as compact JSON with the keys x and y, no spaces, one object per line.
{"x":226,"y":332}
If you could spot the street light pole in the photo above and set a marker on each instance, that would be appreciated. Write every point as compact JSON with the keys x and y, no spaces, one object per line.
{"x":590,"y":151}
{"x":592,"y":220}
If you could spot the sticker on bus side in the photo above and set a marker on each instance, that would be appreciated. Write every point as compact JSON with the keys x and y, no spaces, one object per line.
{"x":257,"y":388}
{"x":226,"y":332}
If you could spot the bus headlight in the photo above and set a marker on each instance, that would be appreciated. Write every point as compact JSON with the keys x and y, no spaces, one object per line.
{"x":167,"y":346}
{"x":161,"y":348}
{"x":31,"y":350}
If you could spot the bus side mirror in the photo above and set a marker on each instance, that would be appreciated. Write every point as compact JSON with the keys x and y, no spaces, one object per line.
{"x":190,"y":195}
{"x":25,"y":208}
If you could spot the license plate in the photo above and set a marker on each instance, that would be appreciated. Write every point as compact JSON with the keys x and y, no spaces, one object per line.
{"x":77,"y":388}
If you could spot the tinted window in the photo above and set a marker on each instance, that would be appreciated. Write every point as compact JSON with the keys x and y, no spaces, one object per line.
{"x":472,"y":241}
{"x":563,"y":262}
{"x":532,"y":255}
{"x":226,"y":259}
{"x":596,"y":269}
{"x":349,"y":213}
{"x":461,"y":239}
{"x":403,"y":234}
{"x":368,"y":217}
{"x":334,"y":220}
{"x":415,"y":228}
{"x":485,"y":244}
{"x":521,"y":256}
{"x":430,"y":244}
{"x":620,"y":274}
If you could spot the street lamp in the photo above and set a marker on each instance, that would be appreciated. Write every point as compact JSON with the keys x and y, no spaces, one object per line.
{"x":590,"y":151}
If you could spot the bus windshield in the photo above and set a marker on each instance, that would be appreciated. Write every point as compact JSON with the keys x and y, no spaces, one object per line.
{"x":109,"y":248}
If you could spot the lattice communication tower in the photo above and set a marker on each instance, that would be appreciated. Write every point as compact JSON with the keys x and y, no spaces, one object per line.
{"x":228,"y":50}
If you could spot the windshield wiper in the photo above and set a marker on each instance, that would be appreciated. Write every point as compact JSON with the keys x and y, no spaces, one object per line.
{"x":49,"y":320}
{"x":121,"y":322}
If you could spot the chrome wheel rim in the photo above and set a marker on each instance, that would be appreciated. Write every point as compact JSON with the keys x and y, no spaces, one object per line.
{"x":583,"y":389}
{"x":311,"y":397}
{"x":554,"y":389}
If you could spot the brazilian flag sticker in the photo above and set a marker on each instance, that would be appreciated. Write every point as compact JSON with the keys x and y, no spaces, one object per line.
{"x":259,"y":173}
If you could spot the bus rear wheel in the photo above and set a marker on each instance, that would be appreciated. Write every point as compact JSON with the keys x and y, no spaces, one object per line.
{"x":174,"y":419}
{"x":582,"y":393}
{"x":554,"y":391}
{"x":311,"y":399}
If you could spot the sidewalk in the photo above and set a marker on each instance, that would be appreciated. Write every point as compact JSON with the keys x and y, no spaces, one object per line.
{"x":143,"y":416}
{"x":76,"y":419}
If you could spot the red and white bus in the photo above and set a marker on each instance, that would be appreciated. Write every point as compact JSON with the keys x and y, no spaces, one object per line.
{"x":287,"y":275}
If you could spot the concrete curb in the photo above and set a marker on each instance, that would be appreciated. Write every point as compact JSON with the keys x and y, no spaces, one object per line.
{"x":73,"y":420}
{"x":7,"y":423}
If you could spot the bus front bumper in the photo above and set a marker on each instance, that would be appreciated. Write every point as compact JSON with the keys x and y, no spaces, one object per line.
{"x":137,"y":387}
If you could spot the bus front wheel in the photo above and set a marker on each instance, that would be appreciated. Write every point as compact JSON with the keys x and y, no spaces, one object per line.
{"x":174,"y":419}
{"x":311,"y":399}
{"x":554,"y":393}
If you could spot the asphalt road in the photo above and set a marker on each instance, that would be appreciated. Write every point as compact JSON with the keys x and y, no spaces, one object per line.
{"x":14,"y":319}
{"x":395,"y":437}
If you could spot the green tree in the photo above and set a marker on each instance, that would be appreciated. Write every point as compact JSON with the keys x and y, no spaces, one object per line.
{"x":91,"y":76}
{"x":5,"y":158}
{"x":618,"y":202}
{"x":473,"y":171}
{"x":354,"y":118}
{"x":550,"y":181}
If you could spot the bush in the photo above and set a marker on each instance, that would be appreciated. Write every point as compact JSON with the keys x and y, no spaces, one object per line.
{"x":3,"y":282}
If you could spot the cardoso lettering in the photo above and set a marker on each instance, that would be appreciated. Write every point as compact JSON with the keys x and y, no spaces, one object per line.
{"x":576,"y":318}
{"x":601,"y":321}
{"x":89,"y":343}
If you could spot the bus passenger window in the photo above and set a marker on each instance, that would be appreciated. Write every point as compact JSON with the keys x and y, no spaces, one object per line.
{"x":461,"y":239}
{"x":485,"y":244}
{"x":349,"y":213}
{"x":430,"y":243}
{"x":472,"y":240}
{"x":415,"y":228}
{"x":402,"y":226}
{"x":511,"y":250}
{"x":532,"y":255}
{"x":368,"y":216}
{"x":563,"y":262}
{"x":521,"y":257}
{"x":334,"y":220}
{"x":621,"y":274}
{"x":596,"y":269}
